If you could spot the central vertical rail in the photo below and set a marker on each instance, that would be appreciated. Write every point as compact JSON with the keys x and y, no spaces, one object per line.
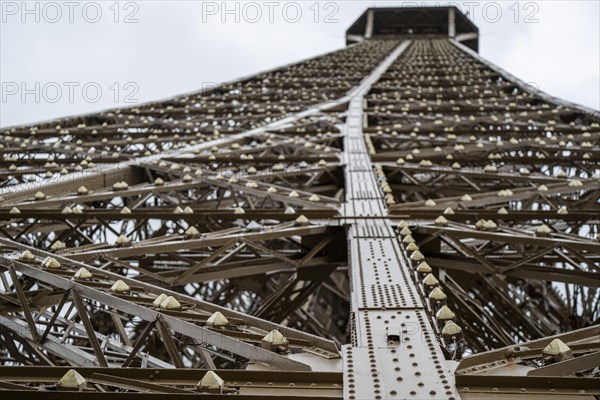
{"x":394,"y":351}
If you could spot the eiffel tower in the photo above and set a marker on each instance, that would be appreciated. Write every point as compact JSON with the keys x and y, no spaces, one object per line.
{"x":399,"y":219}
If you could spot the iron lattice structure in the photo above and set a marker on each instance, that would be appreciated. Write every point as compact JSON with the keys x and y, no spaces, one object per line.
{"x":397,"y":219}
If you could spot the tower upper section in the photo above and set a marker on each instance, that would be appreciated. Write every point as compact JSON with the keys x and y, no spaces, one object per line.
{"x":410,"y":21}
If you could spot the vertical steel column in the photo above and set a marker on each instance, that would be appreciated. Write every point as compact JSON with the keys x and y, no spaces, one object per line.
{"x":451,"y":22}
{"x":394,"y":351}
{"x":370,"y":22}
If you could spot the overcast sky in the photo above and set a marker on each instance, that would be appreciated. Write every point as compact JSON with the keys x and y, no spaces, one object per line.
{"x":87,"y":56}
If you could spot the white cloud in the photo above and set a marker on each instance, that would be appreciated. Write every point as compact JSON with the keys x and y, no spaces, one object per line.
{"x":172,"y":51}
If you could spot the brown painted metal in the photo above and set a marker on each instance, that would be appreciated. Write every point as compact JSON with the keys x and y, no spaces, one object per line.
{"x":306,"y":200}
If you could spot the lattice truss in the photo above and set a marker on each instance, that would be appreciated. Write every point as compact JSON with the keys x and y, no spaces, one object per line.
{"x":204,"y":232}
{"x":500,"y":188}
{"x":222,"y":200}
